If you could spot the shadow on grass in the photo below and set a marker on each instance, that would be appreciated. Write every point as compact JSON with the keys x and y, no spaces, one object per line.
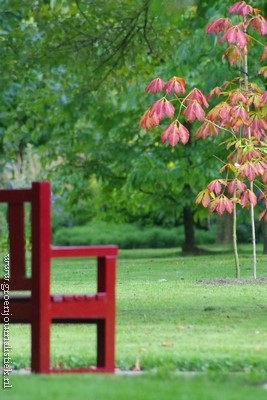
{"x":211,"y":250}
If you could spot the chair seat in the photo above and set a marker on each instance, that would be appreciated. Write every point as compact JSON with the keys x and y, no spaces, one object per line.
{"x":76,"y":307}
{"x":62,"y":307}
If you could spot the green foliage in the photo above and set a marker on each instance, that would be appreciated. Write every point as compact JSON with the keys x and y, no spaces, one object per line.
{"x":72,"y":74}
{"x":127,"y":236}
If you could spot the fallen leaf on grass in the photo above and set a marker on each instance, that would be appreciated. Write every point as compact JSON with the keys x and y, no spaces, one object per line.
{"x":142,"y":350}
{"x":180,"y":327}
{"x":166,"y":344}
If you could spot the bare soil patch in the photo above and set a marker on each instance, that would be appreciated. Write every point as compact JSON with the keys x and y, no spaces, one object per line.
{"x":232,"y":281}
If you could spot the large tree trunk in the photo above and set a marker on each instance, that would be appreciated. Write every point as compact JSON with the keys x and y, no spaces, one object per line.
{"x":189,"y":246}
{"x":224,"y":229}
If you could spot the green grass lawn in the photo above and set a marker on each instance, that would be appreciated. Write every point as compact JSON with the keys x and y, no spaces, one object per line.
{"x":170,"y":318}
{"x":160,"y":386}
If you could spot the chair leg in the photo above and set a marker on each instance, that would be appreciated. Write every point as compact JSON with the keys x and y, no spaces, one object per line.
{"x":40,"y":346}
{"x":41,"y":239}
{"x":106,"y":345}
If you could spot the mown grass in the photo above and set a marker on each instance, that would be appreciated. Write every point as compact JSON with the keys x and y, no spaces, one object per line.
{"x":150,"y":386}
{"x":169,"y":318}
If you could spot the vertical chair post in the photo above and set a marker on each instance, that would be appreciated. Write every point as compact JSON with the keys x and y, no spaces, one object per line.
{"x":41,"y":316}
{"x":106,"y":269}
{"x":16,"y":239}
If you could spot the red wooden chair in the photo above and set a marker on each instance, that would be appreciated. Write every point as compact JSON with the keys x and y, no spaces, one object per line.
{"x":39,"y":307}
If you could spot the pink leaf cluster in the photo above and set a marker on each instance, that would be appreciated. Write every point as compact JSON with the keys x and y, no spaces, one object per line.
{"x":241,"y":111}
{"x":241,"y":8}
{"x":174,"y":133}
{"x":218,"y":25}
{"x":174,"y":85}
{"x":194,"y":111}
{"x":215,"y":198}
{"x":221,"y":204}
{"x":216,"y":185}
{"x":259,"y":25}
{"x":236,"y":185}
{"x":251,"y":169}
{"x":247,"y":198}
{"x":156,"y":85}
{"x":160,"y":109}
{"x":236,"y":35}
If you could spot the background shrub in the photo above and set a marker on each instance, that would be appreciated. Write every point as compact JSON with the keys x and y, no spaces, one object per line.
{"x":127,"y":236}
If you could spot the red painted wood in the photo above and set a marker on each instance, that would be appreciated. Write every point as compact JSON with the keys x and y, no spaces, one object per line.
{"x":39,"y":308}
{"x":106,"y":327}
{"x":23,"y":283}
{"x":84,"y":251}
{"x":21,"y":307}
{"x":16,"y":239}
{"x":40,"y":344}
{"x":12,"y":196}
{"x":73,"y":309}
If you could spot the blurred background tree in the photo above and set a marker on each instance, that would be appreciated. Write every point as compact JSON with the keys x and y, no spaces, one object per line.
{"x":72,"y":77}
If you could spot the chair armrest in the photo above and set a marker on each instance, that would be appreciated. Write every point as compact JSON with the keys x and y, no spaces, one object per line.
{"x":84,"y":251}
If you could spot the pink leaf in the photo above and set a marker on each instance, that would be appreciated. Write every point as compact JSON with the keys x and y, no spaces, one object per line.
{"x":241,"y":8}
{"x":176,"y":85}
{"x":193,"y":111}
{"x":155,"y":85}
{"x":183,"y":133}
{"x":218,"y":25}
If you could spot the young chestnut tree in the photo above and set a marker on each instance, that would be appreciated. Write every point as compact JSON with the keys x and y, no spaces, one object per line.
{"x":240,"y":114}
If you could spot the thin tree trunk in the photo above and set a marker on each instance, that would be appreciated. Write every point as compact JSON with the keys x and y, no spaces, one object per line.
{"x":264,"y":225}
{"x":236,"y":255}
{"x":264,"y":231}
{"x":251,"y":185}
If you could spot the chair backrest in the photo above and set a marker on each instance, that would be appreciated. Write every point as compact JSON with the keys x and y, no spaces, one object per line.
{"x":38,"y":196}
